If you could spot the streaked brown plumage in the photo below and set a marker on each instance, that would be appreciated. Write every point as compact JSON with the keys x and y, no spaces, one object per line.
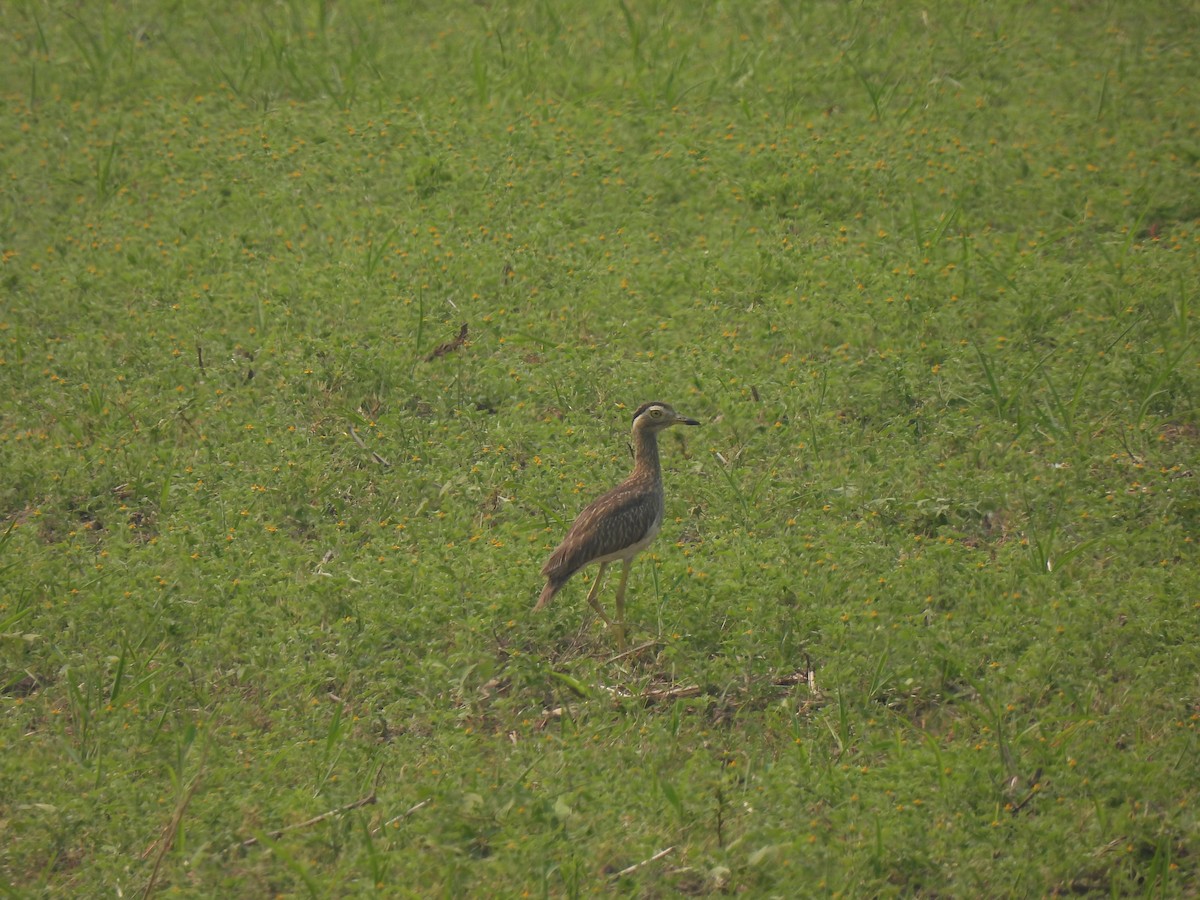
{"x":619,"y":524}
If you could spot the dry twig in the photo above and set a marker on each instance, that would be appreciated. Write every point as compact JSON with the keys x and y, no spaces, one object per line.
{"x":375,"y":456}
{"x":404,"y":815}
{"x":450,"y":346}
{"x":657,"y":695}
{"x":629,"y":870}
{"x":632,"y":651}
{"x":329,"y":814}
{"x":167,"y":838}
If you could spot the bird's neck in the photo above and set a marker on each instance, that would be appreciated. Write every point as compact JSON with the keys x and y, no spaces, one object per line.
{"x":645,"y":453}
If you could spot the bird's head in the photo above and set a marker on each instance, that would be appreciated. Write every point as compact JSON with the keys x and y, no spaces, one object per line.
{"x":656,"y":416}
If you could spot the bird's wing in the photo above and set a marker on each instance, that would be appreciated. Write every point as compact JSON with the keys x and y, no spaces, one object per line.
{"x":617,"y":520}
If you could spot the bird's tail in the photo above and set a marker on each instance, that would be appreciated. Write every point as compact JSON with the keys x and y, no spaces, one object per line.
{"x":548,"y":593}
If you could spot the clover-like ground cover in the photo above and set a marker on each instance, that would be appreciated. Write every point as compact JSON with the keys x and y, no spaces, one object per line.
{"x":922,"y":619}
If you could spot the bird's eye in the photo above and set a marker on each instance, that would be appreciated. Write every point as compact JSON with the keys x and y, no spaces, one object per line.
{"x":657,"y":413}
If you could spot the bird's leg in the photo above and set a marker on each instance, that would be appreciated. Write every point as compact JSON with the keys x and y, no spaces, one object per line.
{"x":628,"y":564}
{"x":591,"y":598}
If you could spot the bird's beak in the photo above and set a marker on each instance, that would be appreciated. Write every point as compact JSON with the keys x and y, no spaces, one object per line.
{"x":684,"y":420}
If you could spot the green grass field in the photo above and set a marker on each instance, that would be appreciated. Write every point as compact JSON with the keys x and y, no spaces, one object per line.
{"x":923,"y":617}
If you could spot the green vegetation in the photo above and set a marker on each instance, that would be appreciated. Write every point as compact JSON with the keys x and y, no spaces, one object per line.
{"x":923,"y":616}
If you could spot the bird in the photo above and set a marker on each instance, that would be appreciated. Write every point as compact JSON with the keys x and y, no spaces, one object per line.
{"x":619,"y":524}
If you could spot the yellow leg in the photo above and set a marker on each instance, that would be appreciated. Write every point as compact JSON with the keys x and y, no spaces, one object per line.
{"x":620,"y":629}
{"x":591,"y":598}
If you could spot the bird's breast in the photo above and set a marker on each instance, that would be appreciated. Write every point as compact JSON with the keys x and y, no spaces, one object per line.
{"x":651,"y":532}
